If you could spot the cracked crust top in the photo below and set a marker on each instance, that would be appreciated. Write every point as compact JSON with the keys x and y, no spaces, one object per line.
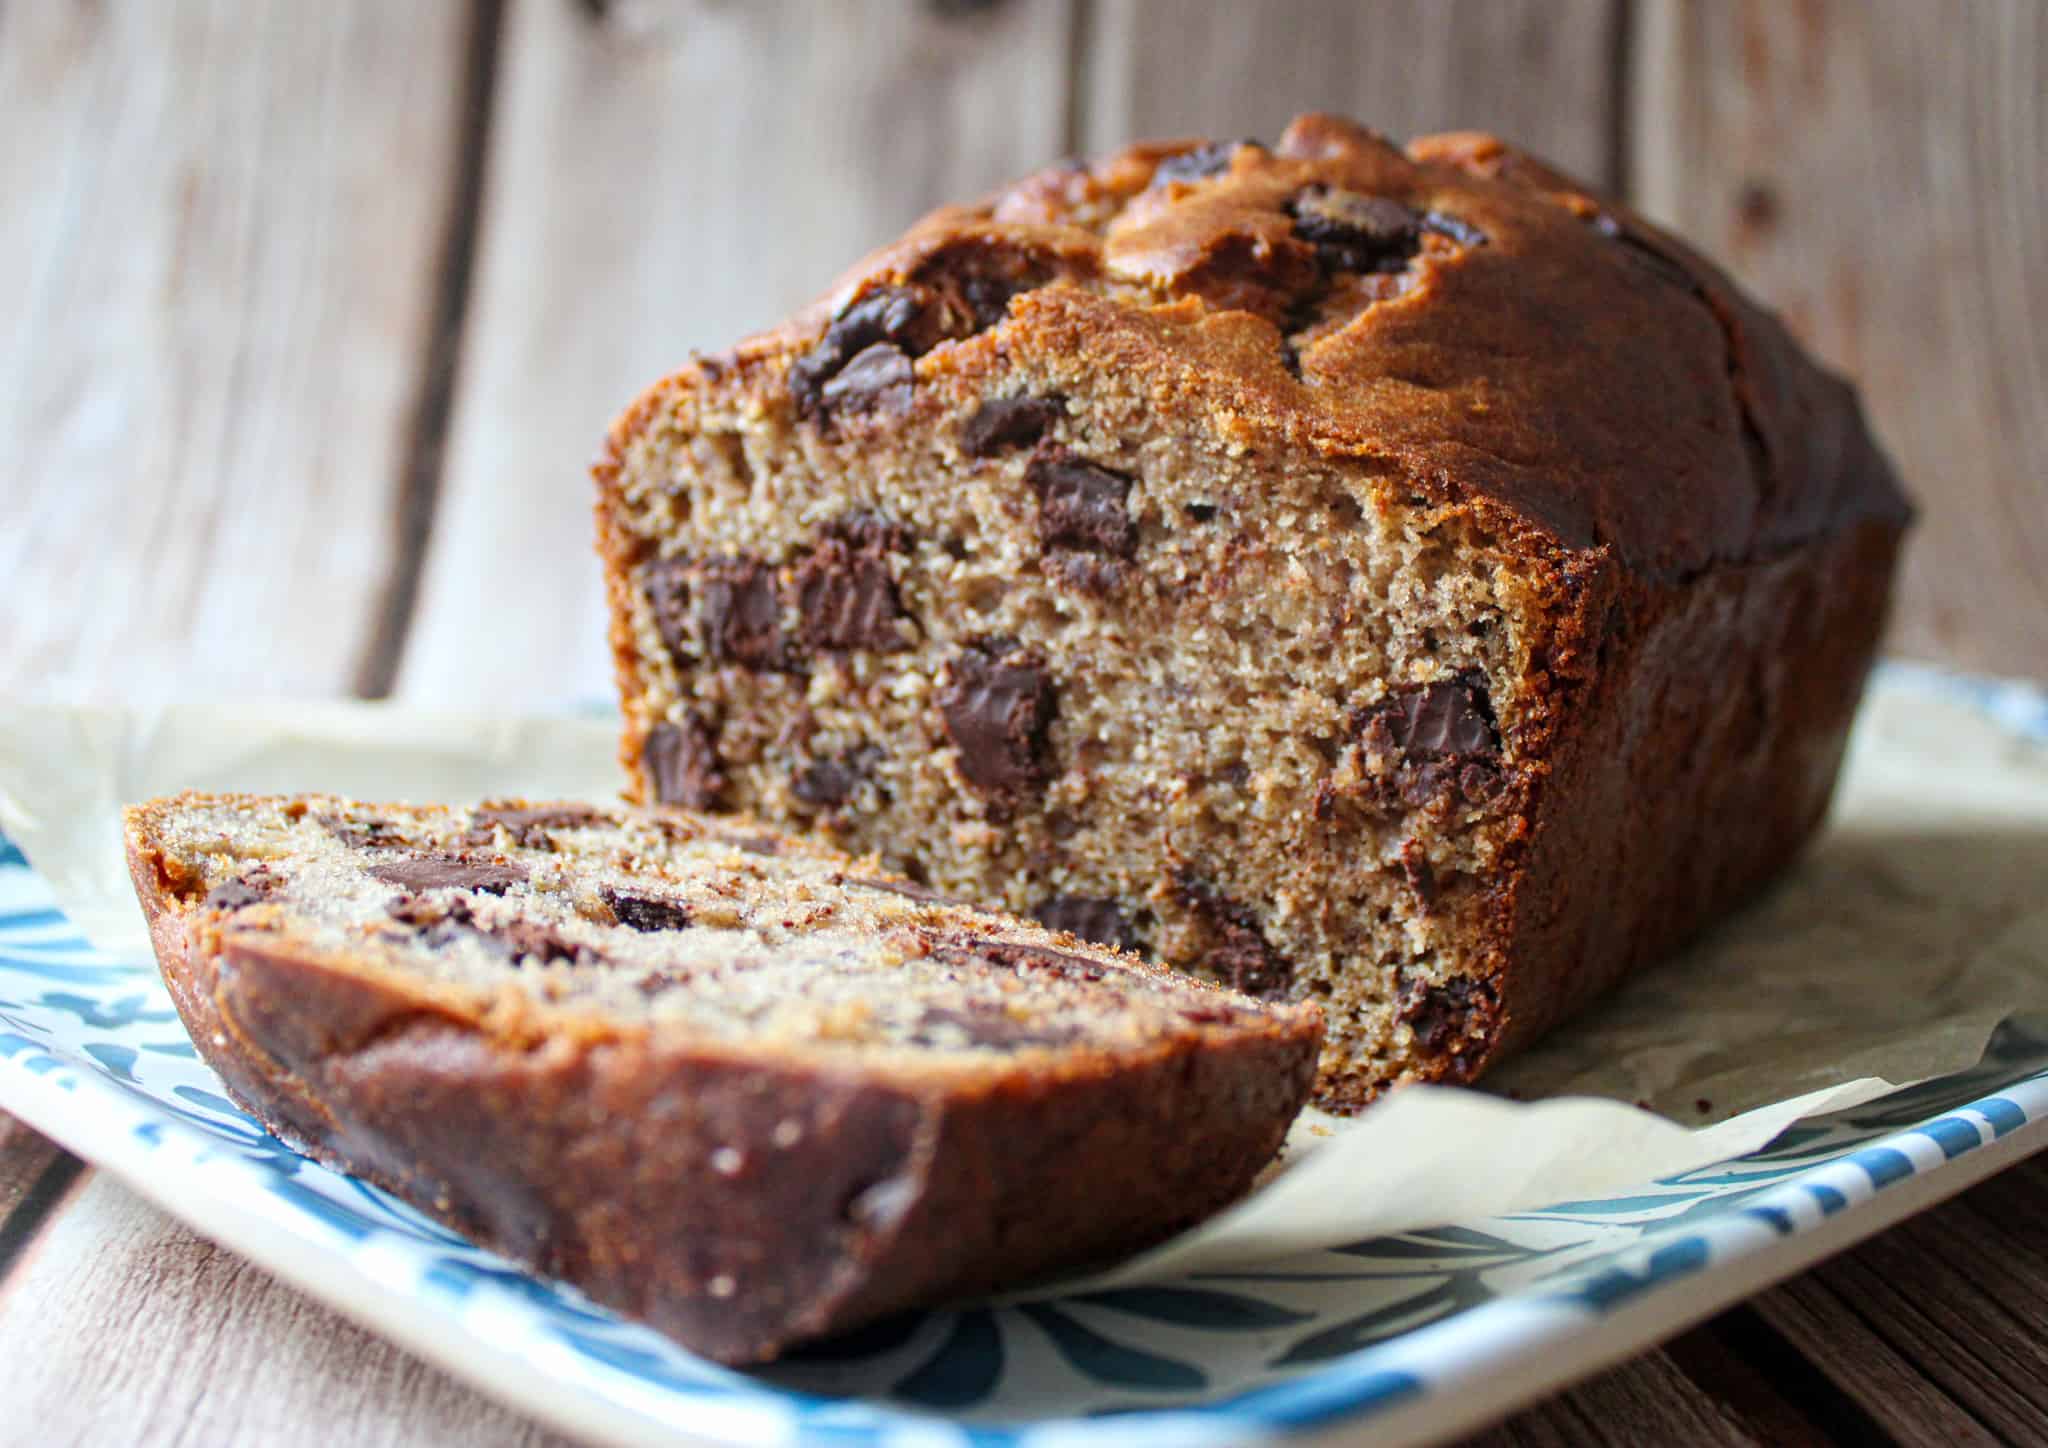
{"x":1455,"y":312}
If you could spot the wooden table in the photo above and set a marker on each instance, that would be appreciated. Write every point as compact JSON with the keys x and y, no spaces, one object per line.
{"x":313,"y":314}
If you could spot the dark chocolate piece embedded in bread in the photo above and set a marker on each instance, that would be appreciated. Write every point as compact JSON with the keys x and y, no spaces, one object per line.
{"x":1395,"y":577}
{"x":731,"y":1084}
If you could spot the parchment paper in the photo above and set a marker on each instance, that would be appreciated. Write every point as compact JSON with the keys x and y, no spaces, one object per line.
{"x":1916,"y":924}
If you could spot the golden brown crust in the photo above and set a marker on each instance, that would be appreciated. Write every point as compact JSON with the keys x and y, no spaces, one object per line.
{"x":737,"y":1199}
{"x":1578,"y":369}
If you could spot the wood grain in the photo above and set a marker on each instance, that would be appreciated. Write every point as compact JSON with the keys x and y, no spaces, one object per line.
{"x":1873,"y":168}
{"x":1936,"y":1326}
{"x":24,"y":1156}
{"x":1536,"y":71}
{"x":217,"y":238}
{"x":125,"y":1327}
{"x":654,"y":189}
{"x":1822,"y":1327}
{"x":36,"y":1175}
{"x":1646,"y":1400}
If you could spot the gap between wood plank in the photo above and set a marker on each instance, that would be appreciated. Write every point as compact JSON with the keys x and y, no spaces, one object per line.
{"x":25,"y":1215}
{"x":1621,"y":83}
{"x":1080,"y":35}
{"x":1741,"y":1361}
{"x":427,"y":430}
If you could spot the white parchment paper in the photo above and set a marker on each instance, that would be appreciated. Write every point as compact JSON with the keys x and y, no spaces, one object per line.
{"x":1916,"y":924}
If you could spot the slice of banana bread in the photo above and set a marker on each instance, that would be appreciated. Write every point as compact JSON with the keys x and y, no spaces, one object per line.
{"x":1394,"y":577}
{"x":725,"y":1082}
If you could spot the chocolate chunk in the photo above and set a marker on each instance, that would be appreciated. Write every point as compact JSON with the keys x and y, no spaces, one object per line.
{"x":1461,"y":1010}
{"x":1473,"y":780}
{"x":1081,"y":504}
{"x":1210,"y":159}
{"x":825,"y":783}
{"x":878,"y":378}
{"x":742,"y":613}
{"x":681,"y":761}
{"x":232,"y":895}
{"x":901,"y":316}
{"x":1239,"y":954}
{"x":988,"y":1024}
{"x":829,"y":783}
{"x":524,"y":940}
{"x":1353,"y":232}
{"x":1199,"y":512}
{"x":364,"y":834}
{"x":516,"y":942}
{"x":450,"y":872}
{"x":1243,"y":957}
{"x":1087,"y":572}
{"x":419,"y":911}
{"x":1003,"y":423}
{"x":1440,"y":739}
{"x":972,"y":282}
{"x":998,"y":708}
{"x":1024,"y":959}
{"x":987,"y":292}
{"x":846,"y":599}
{"x":646,"y":912}
{"x":1099,"y":920}
{"x":442,"y":923}
{"x":1448,"y":719}
{"x":863,"y":362}
{"x":529,"y":827}
{"x":869,"y":532}
{"x":668,"y":595}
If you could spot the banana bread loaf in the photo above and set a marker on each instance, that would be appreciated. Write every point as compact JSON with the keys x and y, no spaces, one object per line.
{"x":727,"y":1083}
{"x":1398,"y":578}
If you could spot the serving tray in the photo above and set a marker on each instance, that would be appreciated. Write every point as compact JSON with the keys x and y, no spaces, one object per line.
{"x":1408,"y":1337}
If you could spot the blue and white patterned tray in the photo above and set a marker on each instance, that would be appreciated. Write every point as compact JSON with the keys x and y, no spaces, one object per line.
{"x":1420,"y":1333}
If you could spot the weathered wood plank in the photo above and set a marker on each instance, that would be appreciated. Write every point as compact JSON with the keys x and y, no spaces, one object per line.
{"x":35,"y":1176}
{"x":23,"y":1156}
{"x":1892,"y":1388}
{"x":122,"y":1326}
{"x":1936,"y":1325}
{"x":1926,"y":1335}
{"x":1538,"y":72}
{"x":1758,"y":1379}
{"x":1645,"y":1400}
{"x":654,"y":190}
{"x":219,"y":241}
{"x":1873,"y":167}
